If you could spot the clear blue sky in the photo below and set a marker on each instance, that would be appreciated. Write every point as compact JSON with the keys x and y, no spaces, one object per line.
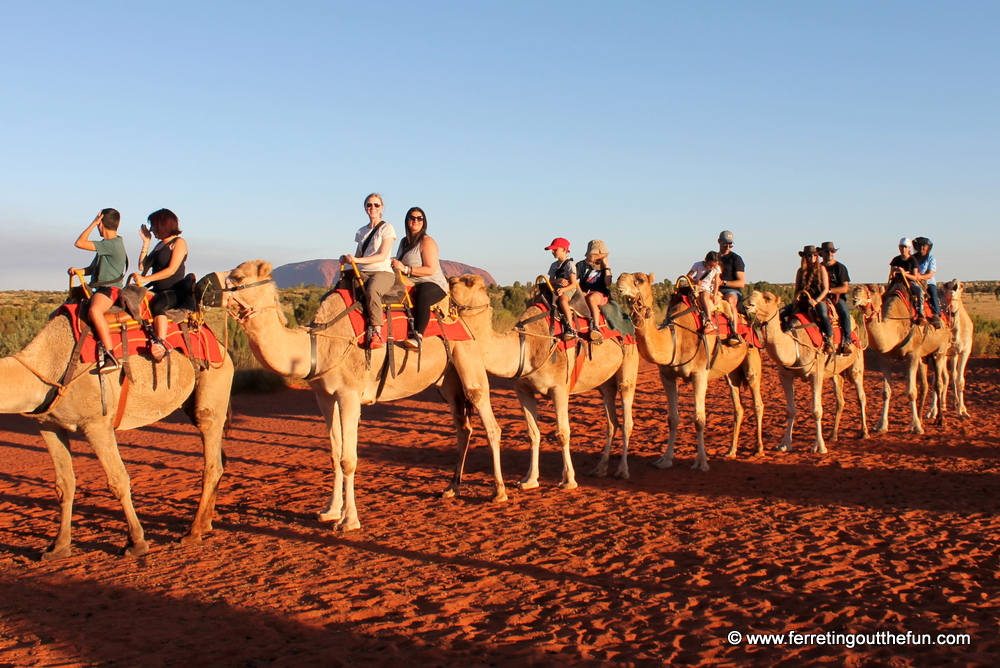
{"x":652,"y":126}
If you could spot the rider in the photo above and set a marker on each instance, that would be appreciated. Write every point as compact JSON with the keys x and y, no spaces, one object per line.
{"x":840,"y":283}
{"x":595,"y":276}
{"x":705,"y":276}
{"x":372,"y":254}
{"x":733,"y":280}
{"x":927,"y":268}
{"x":562,"y":274}
{"x":418,"y":258}
{"x":906,"y":265}
{"x":107,"y":271}
{"x":812,"y":284}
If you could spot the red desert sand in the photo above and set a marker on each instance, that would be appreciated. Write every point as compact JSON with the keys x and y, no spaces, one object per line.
{"x":883,"y":537}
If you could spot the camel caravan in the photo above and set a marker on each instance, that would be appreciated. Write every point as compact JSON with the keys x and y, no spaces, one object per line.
{"x":124,"y":353}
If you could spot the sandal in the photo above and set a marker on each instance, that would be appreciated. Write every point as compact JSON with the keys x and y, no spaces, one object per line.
{"x":158,"y":350}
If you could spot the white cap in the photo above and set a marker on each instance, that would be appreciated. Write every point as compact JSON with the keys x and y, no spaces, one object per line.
{"x":906,"y":242}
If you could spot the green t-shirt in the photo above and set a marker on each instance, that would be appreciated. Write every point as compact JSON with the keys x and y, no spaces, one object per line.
{"x":109,"y":262}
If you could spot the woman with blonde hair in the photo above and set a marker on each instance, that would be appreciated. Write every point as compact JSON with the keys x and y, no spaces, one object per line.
{"x":372,"y":257}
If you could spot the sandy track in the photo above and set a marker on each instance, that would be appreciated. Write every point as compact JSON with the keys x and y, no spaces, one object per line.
{"x":895,"y":534}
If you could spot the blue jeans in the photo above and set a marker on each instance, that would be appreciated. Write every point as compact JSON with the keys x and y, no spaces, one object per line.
{"x":844,"y":315}
{"x":935,"y":304}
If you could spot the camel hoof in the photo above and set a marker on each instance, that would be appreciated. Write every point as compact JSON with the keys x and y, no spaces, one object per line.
{"x":450,"y":492}
{"x":599,"y":472}
{"x":700,"y":466}
{"x":964,"y":415}
{"x":916,"y":430}
{"x":819,"y":450}
{"x":348,"y":526}
{"x":662,"y":463}
{"x":568,"y":485}
{"x":189,"y":539}
{"x":323,"y":516}
{"x":500,"y":496}
{"x":622,"y":474}
{"x":54,"y":554}
{"x":784,"y":447}
{"x":528,"y":484}
{"x":136,"y":549}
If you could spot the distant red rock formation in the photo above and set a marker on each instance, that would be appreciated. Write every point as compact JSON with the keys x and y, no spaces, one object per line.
{"x":326,"y":272}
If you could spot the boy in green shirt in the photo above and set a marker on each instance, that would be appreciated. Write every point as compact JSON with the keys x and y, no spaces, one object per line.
{"x":106,"y":271}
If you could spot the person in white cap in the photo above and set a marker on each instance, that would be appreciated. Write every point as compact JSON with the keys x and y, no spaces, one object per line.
{"x":906,"y":265}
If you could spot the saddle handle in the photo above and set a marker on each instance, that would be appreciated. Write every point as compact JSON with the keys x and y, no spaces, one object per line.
{"x":83,"y":283}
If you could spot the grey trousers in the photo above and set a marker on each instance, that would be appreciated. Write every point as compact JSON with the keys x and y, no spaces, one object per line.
{"x":376,"y":285}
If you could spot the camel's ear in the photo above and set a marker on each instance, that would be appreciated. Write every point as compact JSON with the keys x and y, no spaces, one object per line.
{"x":263,"y":269}
{"x":652,"y":278}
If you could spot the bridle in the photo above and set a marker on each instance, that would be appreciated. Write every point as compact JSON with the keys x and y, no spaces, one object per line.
{"x":244,"y":311}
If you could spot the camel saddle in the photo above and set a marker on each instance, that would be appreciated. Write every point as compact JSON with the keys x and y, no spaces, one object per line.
{"x":557,"y":327}
{"x":397,"y":315}
{"x":807,"y":322}
{"x":743,"y":329}
{"x":902,"y":291}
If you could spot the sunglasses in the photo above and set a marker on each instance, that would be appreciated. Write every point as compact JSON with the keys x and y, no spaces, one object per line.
{"x":415,"y":218}
{"x":369,"y":205}
{"x":727,"y":245}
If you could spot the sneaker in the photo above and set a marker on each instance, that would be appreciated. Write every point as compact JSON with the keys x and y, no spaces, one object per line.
{"x":111,"y":364}
{"x":733,"y":340}
{"x":845,"y":347}
{"x":375,"y":341}
{"x":937,"y":322}
{"x":710,"y":328}
{"x":568,"y":335}
{"x":786,"y":326}
{"x":828,"y":346}
{"x":594,"y":335}
{"x":412,"y":343}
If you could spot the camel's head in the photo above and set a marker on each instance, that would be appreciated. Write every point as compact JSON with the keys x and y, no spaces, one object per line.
{"x":637,"y":286}
{"x":762,"y":306}
{"x":246,"y":294}
{"x":867,"y":299}
{"x":468,"y":290}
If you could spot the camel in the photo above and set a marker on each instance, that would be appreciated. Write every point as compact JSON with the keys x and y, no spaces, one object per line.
{"x":961,"y":347}
{"x":682,"y":353}
{"x":337,"y":371}
{"x":798,"y":358}
{"x":893,"y":336}
{"x":528,"y":355}
{"x":31,"y":385}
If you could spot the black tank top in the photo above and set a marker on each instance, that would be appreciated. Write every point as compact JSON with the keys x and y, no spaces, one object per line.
{"x":159,"y":260}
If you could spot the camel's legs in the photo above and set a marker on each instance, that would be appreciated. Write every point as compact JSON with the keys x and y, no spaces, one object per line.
{"x":699,"y":386}
{"x":211,"y":406}
{"x":913,"y":370}
{"x":788,"y":387}
{"x":626,"y":379}
{"x":857,"y":372}
{"x":753,"y":374}
{"x":350,"y":417}
{"x":838,"y":395}
{"x":941,"y":384}
{"x":607,"y":390}
{"x":734,"y":394}
{"x":529,"y":406}
{"x":102,"y":439}
{"x":817,"y":395}
{"x":883,"y":423}
{"x":958,"y":378}
{"x":560,"y":399}
{"x":330,"y":409}
{"x":474,"y":384}
{"x":57,"y":441}
{"x":666,"y":460}
{"x":463,"y":430}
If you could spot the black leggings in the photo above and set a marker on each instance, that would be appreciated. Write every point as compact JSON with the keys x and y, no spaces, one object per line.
{"x":424,"y":296}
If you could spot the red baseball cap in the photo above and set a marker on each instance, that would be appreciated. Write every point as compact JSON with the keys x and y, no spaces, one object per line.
{"x":558,"y":242}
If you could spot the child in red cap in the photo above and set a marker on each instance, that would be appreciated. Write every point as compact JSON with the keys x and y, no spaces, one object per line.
{"x":562,"y":275}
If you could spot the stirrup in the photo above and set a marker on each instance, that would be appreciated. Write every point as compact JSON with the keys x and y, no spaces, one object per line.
{"x":158,"y":349}
{"x":111,"y":363}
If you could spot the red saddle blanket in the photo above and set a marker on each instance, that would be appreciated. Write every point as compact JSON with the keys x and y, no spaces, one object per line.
{"x":204,"y":344}
{"x":743,"y":328}
{"x":583,"y":327}
{"x":453,"y":331}
{"x":811,"y":327}
{"x":905,"y":296}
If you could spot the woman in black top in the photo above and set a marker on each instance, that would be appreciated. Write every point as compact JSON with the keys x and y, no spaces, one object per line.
{"x":166,"y":273}
{"x":812,"y":284}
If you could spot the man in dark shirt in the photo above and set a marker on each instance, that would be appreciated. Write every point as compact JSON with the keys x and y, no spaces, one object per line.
{"x":733,"y":280}
{"x":840,"y":283}
{"x":906,"y":265}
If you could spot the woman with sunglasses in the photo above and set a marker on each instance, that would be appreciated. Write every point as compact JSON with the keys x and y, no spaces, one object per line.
{"x":812,"y":284}
{"x":418,"y":259}
{"x":372,"y":257}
